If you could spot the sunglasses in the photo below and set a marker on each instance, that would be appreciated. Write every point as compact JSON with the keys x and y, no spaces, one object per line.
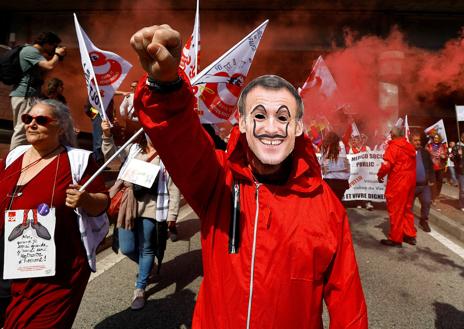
{"x":42,"y":120}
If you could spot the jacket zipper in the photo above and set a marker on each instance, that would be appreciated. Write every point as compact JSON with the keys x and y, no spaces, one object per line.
{"x":253,"y":253}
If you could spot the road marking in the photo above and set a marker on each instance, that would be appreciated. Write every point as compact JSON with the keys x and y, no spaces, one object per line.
{"x":106,"y":263}
{"x":458,"y":250}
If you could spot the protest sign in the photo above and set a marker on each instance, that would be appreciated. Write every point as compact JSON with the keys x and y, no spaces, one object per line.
{"x":363,"y":177}
{"x":30,"y":249}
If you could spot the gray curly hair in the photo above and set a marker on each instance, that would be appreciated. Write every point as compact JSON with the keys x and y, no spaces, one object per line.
{"x":61,"y":113}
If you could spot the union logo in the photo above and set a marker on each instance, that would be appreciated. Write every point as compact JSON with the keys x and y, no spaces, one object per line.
{"x":221,"y":98}
{"x":107,"y":71}
{"x":11,"y":216}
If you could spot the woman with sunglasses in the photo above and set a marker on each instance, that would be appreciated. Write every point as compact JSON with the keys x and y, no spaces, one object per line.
{"x":45,"y":177}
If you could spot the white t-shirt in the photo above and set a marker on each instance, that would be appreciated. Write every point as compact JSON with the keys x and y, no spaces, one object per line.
{"x":336,"y":169}
{"x":127,"y":108}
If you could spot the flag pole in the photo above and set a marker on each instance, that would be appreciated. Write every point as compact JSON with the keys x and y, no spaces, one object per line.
{"x":102,"y":106}
{"x":457,"y":124}
{"x":196,"y":79}
{"x":92,"y":73}
{"x":197,"y":21}
{"x":130,"y":140}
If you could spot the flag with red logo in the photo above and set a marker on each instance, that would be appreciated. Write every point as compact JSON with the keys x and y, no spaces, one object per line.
{"x":320,"y":92}
{"x":219,"y":85}
{"x":437,"y":128}
{"x":103,"y":70}
{"x":189,"y":61}
{"x":320,"y":80}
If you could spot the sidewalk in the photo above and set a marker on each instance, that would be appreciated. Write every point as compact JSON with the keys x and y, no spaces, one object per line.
{"x":446,"y":214}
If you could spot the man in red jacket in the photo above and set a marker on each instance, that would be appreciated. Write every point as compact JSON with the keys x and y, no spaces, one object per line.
{"x":400,"y":166}
{"x":275,"y":239}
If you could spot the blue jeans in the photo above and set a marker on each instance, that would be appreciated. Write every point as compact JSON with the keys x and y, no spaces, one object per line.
{"x":97,"y":138}
{"x":137,"y":244}
{"x":436,"y":190}
{"x":424,"y":194}
{"x":461,"y":191}
{"x":452,"y":175}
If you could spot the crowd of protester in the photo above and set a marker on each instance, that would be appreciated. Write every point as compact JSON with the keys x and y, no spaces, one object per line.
{"x":43,"y":136}
{"x":446,"y":159}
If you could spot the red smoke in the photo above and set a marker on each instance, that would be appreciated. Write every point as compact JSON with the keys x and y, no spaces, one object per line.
{"x":424,"y":77}
{"x":292,"y":40}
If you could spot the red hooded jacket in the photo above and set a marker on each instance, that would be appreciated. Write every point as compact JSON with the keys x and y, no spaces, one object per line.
{"x":295,"y":243}
{"x":400,"y":166}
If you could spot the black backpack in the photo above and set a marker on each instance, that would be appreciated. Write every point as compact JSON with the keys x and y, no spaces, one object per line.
{"x":10,"y":68}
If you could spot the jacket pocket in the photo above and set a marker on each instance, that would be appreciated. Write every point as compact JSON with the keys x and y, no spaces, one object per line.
{"x":306,"y":263}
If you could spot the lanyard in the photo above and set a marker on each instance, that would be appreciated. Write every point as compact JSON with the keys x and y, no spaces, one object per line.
{"x":15,"y":192}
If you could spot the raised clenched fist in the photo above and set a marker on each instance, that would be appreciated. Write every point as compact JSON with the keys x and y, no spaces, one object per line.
{"x":159,"y":49}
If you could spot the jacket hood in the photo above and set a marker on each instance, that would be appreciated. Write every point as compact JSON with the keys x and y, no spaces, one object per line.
{"x":405,"y":146}
{"x":305,"y":174}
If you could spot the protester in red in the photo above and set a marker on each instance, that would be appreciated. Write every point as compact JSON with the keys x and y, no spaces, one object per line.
{"x":275,"y":240}
{"x":400,"y":166}
{"x":47,"y":175}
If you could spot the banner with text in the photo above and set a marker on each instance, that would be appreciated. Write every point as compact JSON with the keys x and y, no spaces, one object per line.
{"x":363,"y":177}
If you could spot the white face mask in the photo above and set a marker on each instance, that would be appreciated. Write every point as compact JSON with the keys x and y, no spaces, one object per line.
{"x":270,"y":124}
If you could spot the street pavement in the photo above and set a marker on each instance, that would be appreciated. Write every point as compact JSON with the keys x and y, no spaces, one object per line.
{"x":415,"y":287}
{"x":446,"y":214}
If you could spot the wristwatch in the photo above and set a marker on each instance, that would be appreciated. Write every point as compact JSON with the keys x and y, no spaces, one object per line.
{"x":164,"y":87}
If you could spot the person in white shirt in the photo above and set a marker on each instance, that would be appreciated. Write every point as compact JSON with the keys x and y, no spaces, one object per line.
{"x":334,"y":164}
{"x":128,"y":119}
{"x":452,"y":178}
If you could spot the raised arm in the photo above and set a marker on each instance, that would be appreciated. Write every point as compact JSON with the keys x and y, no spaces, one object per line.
{"x":165,"y":105}
{"x":50,"y":64}
{"x":108,"y":147}
{"x":124,"y":108}
{"x":159,"y":50}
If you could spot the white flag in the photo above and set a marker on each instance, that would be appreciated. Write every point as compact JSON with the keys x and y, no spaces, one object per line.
{"x":219,"y":85}
{"x":437,"y":128}
{"x":399,"y":123}
{"x":407,"y":131}
{"x":320,"y":79}
{"x":103,"y":70}
{"x":354,"y":130}
{"x":460,"y":112}
{"x":189,"y":61}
